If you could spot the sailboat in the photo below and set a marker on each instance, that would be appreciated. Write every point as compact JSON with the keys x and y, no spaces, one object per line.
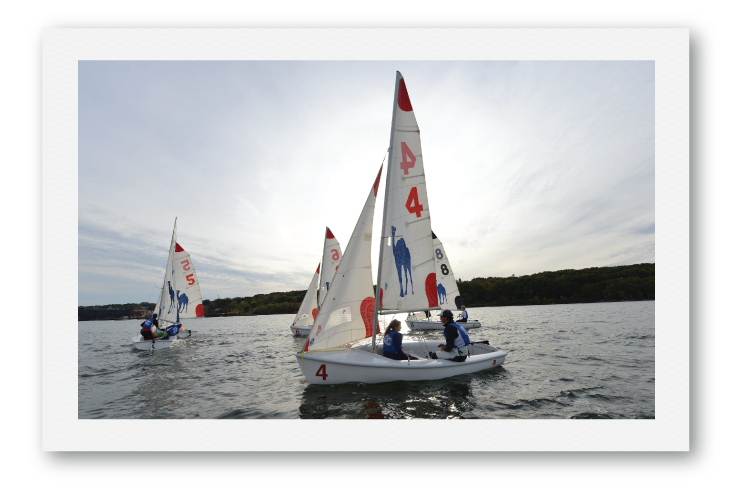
{"x":407,"y":281}
{"x":447,"y":292}
{"x":180,"y":296}
{"x":311,"y":303}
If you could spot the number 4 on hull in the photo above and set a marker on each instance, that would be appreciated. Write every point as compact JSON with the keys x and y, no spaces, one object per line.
{"x":321,"y":372}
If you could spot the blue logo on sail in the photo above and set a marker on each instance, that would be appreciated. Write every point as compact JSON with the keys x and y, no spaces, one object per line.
{"x":442,"y":296}
{"x":402,"y":256}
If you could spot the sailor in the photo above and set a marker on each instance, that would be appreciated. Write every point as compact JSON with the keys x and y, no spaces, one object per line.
{"x":173,"y":329}
{"x":464,"y":316}
{"x":457,"y":340}
{"x":392,"y":342}
{"x":146,"y":332}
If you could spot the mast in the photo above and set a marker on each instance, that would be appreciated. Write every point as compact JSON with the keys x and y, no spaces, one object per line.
{"x":166,"y":277}
{"x":383,"y":235}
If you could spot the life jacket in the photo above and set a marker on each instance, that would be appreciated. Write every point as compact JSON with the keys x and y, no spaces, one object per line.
{"x":462,"y":339}
{"x":148,"y":324}
{"x":389,"y":343}
{"x":173,"y":330}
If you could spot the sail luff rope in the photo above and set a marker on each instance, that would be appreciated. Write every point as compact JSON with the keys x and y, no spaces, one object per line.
{"x":385,"y":211}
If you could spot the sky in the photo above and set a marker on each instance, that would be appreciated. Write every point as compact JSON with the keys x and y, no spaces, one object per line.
{"x":530,"y":166}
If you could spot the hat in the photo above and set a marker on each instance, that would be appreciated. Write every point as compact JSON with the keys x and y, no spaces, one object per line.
{"x":155,"y":315}
{"x":447,"y":313}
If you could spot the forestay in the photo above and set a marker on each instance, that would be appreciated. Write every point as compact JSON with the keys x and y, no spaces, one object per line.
{"x":447,"y":289}
{"x":408,"y":281}
{"x":180,"y":296}
{"x":331,"y":259}
{"x":309,"y":308}
{"x":348,"y":311}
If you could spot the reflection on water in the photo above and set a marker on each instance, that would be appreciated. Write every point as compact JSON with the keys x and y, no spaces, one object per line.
{"x":443,"y":399}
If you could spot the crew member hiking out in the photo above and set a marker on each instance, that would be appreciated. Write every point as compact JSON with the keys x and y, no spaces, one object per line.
{"x":456,"y":346}
{"x":146,"y":332}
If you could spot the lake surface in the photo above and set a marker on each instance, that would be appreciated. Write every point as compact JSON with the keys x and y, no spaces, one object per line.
{"x":564,"y":361}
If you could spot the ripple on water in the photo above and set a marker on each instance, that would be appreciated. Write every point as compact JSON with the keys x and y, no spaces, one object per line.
{"x":564,"y":361}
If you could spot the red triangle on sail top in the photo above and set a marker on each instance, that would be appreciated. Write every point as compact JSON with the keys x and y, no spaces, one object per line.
{"x":403,"y":97}
{"x":329,"y":234}
{"x":317,"y":271}
{"x":177,"y":247}
{"x":377,"y":181}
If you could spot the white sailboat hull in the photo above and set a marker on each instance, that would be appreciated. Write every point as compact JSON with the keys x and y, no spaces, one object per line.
{"x":437,"y":325}
{"x":360,"y":365}
{"x":301,"y":331}
{"x":145,"y":345}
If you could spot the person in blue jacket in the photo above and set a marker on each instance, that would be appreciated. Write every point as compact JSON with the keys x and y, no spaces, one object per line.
{"x":392,"y":342}
{"x":173,"y":329}
{"x":456,"y":339}
{"x":146,"y":327}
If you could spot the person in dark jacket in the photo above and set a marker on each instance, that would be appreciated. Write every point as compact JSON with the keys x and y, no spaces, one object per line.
{"x":392,"y":342}
{"x":146,"y":332}
{"x":456,"y":346}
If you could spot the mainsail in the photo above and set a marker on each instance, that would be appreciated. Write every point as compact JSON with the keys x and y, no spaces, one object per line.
{"x":447,"y":289}
{"x":348,"y":311}
{"x":331,"y":260}
{"x":180,"y":296}
{"x":309,"y":307}
{"x":407,"y":268}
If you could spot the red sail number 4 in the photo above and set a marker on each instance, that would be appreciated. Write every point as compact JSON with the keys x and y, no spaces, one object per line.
{"x":412,"y":203}
{"x":408,"y":159}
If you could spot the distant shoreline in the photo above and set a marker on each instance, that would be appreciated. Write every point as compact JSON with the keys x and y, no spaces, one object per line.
{"x":233,"y":315}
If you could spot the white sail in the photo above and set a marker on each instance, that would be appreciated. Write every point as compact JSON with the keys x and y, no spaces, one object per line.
{"x":180,"y":296}
{"x":447,"y":289}
{"x":162,"y":305}
{"x":309,"y":308}
{"x":331,"y":260}
{"x":348,"y":311}
{"x":408,"y":266}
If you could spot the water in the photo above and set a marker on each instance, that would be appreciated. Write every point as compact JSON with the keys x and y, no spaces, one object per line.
{"x":564,"y":361}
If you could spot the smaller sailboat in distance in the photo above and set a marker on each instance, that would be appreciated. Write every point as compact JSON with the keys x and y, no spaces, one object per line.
{"x":180,"y":297}
{"x":313,"y":300}
{"x":447,"y":293}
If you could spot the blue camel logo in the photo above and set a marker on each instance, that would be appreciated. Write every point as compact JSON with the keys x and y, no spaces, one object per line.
{"x":171,"y":297}
{"x":402,"y":256}
{"x":442,"y":296}
{"x":182,"y":302}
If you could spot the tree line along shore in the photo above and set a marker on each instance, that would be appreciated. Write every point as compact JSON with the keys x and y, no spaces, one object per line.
{"x":568,"y":286}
